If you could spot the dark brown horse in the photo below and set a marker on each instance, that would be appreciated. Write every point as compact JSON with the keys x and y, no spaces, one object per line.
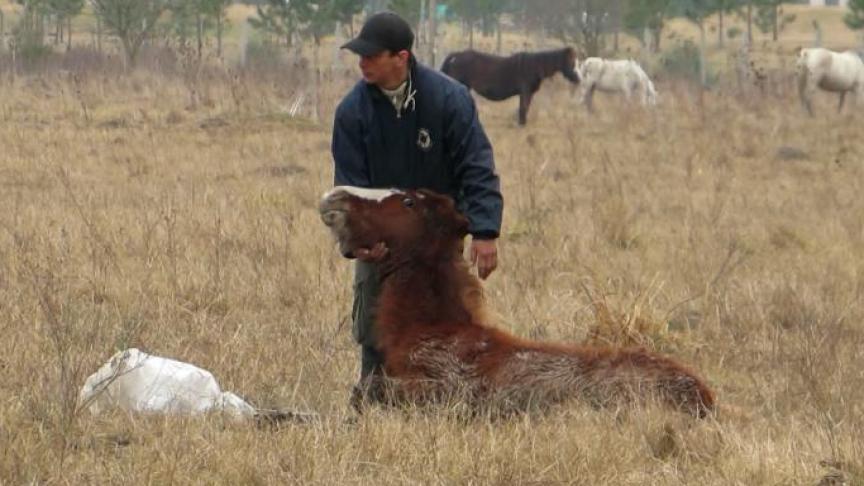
{"x":498,"y":78}
{"x":434,"y":335}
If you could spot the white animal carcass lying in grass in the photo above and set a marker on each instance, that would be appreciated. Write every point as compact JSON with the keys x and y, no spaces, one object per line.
{"x":615,"y":76}
{"x":837,"y":72}
{"x":135,"y":381}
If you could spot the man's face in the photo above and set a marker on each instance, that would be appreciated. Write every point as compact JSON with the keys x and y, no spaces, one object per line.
{"x":385,"y":69}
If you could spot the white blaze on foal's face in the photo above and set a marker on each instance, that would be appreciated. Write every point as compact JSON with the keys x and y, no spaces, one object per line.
{"x":376,"y":195}
{"x":335,"y":207}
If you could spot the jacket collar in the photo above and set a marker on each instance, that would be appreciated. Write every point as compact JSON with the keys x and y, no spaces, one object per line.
{"x":410,"y":89}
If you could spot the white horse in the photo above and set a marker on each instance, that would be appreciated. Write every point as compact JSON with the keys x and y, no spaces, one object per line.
{"x":837,"y":72}
{"x":615,"y":76}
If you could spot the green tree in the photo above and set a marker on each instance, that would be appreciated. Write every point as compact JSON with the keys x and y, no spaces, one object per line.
{"x":723,"y":7}
{"x":770,"y":17}
{"x":276,"y":17}
{"x":407,"y":9}
{"x":581,"y":22}
{"x":747,"y":12}
{"x":592,"y":18}
{"x":487,"y":12}
{"x":318,"y":18}
{"x":198,"y":17}
{"x":310,"y":18}
{"x":132,"y":21}
{"x":650,"y":15}
{"x":29,"y":32}
{"x":345,"y":10}
{"x":697,"y":11}
{"x":63,"y":11}
{"x":854,"y":18}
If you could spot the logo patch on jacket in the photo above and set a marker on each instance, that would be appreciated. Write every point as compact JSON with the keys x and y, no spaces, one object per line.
{"x":424,"y":139}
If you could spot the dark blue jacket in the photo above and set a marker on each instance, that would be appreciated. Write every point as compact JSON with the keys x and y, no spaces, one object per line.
{"x":436,"y":143}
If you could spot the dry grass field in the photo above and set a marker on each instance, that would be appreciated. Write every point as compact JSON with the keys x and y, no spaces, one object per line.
{"x":723,"y":228}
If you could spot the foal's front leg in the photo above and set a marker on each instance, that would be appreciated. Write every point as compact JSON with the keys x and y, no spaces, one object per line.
{"x":842,"y":99}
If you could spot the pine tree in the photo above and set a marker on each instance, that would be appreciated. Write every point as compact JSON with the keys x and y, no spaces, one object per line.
{"x":198,"y":17}
{"x":647,"y":14}
{"x":276,"y":17}
{"x":770,"y":18}
{"x":131,"y":21}
{"x":854,"y":18}
{"x":63,"y":11}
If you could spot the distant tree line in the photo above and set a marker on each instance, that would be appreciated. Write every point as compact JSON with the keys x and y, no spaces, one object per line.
{"x":595,"y":25}
{"x":132,"y":22}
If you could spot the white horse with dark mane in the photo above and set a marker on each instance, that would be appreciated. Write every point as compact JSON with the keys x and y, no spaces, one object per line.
{"x":615,"y":76}
{"x":837,"y":72}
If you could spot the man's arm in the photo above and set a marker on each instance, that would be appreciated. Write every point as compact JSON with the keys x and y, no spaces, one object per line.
{"x":479,"y":183}
{"x":349,"y":154}
{"x":351,"y":168}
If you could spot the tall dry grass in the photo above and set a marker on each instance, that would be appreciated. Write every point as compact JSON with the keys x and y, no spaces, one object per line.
{"x":134,"y":216}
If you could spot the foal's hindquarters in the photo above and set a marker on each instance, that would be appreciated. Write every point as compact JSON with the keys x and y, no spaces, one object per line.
{"x":495,"y":370}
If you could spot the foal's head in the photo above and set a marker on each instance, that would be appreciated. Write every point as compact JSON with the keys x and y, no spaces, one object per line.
{"x":411,"y":224}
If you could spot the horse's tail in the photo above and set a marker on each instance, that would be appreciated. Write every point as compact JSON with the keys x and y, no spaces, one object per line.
{"x":642,"y":373}
{"x":651,"y":92}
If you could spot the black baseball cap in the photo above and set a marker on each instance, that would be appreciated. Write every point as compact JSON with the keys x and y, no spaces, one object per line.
{"x":382,"y":31}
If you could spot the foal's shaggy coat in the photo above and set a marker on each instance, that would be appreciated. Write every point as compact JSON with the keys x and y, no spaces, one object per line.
{"x":436,"y":340}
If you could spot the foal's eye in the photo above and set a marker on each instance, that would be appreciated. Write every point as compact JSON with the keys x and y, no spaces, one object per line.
{"x":408,"y":202}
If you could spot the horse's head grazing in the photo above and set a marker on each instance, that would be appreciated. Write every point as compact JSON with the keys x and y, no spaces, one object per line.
{"x":569,"y":69}
{"x":417,"y":223}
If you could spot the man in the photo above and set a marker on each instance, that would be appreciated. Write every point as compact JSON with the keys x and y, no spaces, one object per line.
{"x":407,"y":126}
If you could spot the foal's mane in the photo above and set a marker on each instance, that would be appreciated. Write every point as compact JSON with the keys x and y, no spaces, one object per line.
{"x":433,"y":285}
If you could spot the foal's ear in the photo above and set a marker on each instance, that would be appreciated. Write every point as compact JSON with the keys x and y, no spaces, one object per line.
{"x":442,"y":212}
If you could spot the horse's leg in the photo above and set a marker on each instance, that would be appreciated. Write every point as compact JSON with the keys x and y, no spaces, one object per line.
{"x":842,"y":99}
{"x":628,"y":94}
{"x":588,"y":99}
{"x":859,"y":96}
{"x":524,"y":104}
{"x":806,"y":88}
{"x":646,"y":92}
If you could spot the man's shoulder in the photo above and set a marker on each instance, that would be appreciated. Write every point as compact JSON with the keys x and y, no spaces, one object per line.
{"x":436,"y":80}
{"x":354,"y":99}
{"x":442,"y":86}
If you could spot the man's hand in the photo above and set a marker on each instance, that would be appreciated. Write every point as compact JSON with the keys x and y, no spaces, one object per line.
{"x":484,"y":253}
{"x":374,"y":254}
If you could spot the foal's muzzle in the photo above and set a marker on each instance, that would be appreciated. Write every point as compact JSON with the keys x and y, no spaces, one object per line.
{"x":333,"y":209}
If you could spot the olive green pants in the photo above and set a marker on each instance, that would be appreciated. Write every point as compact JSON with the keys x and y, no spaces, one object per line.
{"x":367,"y":287}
